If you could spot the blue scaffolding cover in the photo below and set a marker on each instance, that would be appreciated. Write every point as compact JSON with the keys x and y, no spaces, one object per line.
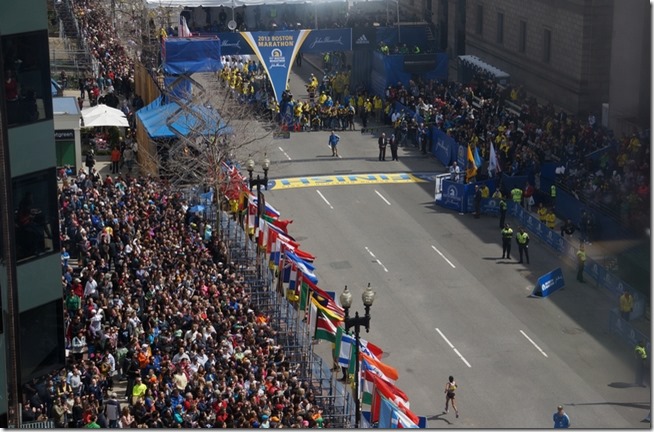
{"x":155,"y":120}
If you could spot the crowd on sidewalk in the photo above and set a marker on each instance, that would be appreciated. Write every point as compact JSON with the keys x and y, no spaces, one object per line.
{"x":151,"y":299}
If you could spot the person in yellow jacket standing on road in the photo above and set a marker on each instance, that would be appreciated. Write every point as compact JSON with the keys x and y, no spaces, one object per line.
{"x":640,"y":352}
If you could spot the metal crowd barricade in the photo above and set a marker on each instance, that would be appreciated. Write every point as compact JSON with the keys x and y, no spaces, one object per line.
{"x":293,"y":334}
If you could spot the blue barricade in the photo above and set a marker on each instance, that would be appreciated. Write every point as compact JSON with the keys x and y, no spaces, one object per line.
{"x":548,"y":283}
{"x":593,"y":269}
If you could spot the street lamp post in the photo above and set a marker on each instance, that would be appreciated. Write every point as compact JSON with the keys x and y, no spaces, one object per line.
{"x":258,"y":182}
{"x":357,"y":322}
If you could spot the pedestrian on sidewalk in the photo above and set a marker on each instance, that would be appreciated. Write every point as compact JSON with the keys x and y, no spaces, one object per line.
{"x":626,"y":305}
{"x":115,"y":160}
{"x":561,"y":419}
{"x":333,"y":143}
{"x":450,"y":386}
{"x":581,"y":263}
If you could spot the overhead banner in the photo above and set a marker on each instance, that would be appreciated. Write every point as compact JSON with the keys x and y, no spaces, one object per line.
{"x":276,"y":52}
{"x":233,"y":44}
{"x":326,"y":40}
{"x":317,"y":41}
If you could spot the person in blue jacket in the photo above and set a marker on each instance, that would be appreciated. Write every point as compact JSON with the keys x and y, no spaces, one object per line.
{"x":561,"y":419}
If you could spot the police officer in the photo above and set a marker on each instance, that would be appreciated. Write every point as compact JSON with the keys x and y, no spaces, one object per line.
{"x":502,"y":212}
{"x":640,"y":353}
{"x":523,"y":244}
{"x":581,"y":262}
{"x":507,"y":235}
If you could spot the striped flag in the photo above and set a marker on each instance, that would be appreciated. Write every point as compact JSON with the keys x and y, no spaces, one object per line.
{"x":471,"y":169}
{"x":493,"y":163}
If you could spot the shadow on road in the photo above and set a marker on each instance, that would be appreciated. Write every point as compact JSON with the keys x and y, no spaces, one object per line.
{"x":440,"y":417}
{"x":622,"y":385}
{"x":641,"y":405}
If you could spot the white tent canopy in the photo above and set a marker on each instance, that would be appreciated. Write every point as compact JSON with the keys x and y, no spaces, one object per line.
{"x":103,"y":115}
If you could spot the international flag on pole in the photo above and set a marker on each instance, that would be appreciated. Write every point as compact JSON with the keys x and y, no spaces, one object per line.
{"x":303,"y":266}
{"x":493,"y":163}
{"x":477,"y":158}
{"x":382,"y":370}
{"x":471,"y":169}
{"x":345,"y":349}
{"x":269,"y":209}
{"x":183,"y":29}
{"x":325,"y":328}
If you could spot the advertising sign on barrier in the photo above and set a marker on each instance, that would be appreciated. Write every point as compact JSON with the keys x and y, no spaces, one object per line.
{"x":490,"y":206}
{"x":454,"y":196}
{"x":548,"y":283}
{"x":444,"y":147}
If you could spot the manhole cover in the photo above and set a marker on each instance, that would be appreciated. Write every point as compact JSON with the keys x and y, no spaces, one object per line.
{"x":572,"y":330}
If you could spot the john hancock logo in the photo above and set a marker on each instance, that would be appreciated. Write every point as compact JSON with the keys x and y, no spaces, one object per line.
{"x":326,"y":40}
{"x":277,"y":59}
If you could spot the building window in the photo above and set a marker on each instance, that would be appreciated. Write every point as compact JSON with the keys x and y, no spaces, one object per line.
{"x":44,"y":350}
{"x":479,"y":28}
{"x":26,"y":74}
{"x":36,"y":214}
{"x":522,"y":39}
{"x":500,"y":28}
{"x":547,"y":45}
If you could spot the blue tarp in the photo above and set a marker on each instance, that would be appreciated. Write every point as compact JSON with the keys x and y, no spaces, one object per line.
{"x":155,"y":120}
{"x":187,"y":56}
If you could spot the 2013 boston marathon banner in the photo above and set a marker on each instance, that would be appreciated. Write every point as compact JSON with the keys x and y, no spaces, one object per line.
{"x":277,"y":50}
{"x":316,"y":41}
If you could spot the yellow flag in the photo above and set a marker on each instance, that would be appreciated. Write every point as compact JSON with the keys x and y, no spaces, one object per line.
{"x":471,"y":170}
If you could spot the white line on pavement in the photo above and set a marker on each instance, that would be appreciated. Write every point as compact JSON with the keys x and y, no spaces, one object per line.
{"x":533,"y":343}
{"x":325,"y":199}
{"x":382,"y":197}
{"x":376,"y":259}
{"x":452,"y":346}
{"x":285,"y":154}
{"x":443,"y":256}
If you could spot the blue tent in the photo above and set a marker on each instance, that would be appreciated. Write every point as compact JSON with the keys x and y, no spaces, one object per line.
{"x":55,"y":88}
{"x":155,"y":118}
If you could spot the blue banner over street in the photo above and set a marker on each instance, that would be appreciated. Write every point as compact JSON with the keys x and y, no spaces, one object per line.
{"x":548,"y":283}
{"x":276,"y":52}
{"x":233,"y":44}
{"x":325,"y":40}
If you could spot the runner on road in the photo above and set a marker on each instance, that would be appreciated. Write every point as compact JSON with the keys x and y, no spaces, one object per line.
{"x":450,"y":386}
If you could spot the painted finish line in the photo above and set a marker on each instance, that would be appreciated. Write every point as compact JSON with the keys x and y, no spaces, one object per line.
{"x":342,"y":180}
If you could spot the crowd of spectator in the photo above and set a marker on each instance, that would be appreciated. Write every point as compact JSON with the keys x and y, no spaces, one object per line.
{"x":115,"y":75}
{"x":526,"y":134}
{"x":151,"y":301}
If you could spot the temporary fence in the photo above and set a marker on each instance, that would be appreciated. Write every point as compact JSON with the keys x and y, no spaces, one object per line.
{"x":293,"y":335}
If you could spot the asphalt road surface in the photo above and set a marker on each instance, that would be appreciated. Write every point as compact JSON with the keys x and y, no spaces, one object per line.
{"x":446,"y":304}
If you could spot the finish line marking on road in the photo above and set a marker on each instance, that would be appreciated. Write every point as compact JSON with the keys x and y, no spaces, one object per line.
{"x":342,"y":180}
{"x":378,"y":262}
{"x":452,"y":346}
{"x":443,"y":256}
{"x":285,"y":154}
{"x":325,"y":199}
{"x":382,"y":197}
{"x":533,"y":343}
